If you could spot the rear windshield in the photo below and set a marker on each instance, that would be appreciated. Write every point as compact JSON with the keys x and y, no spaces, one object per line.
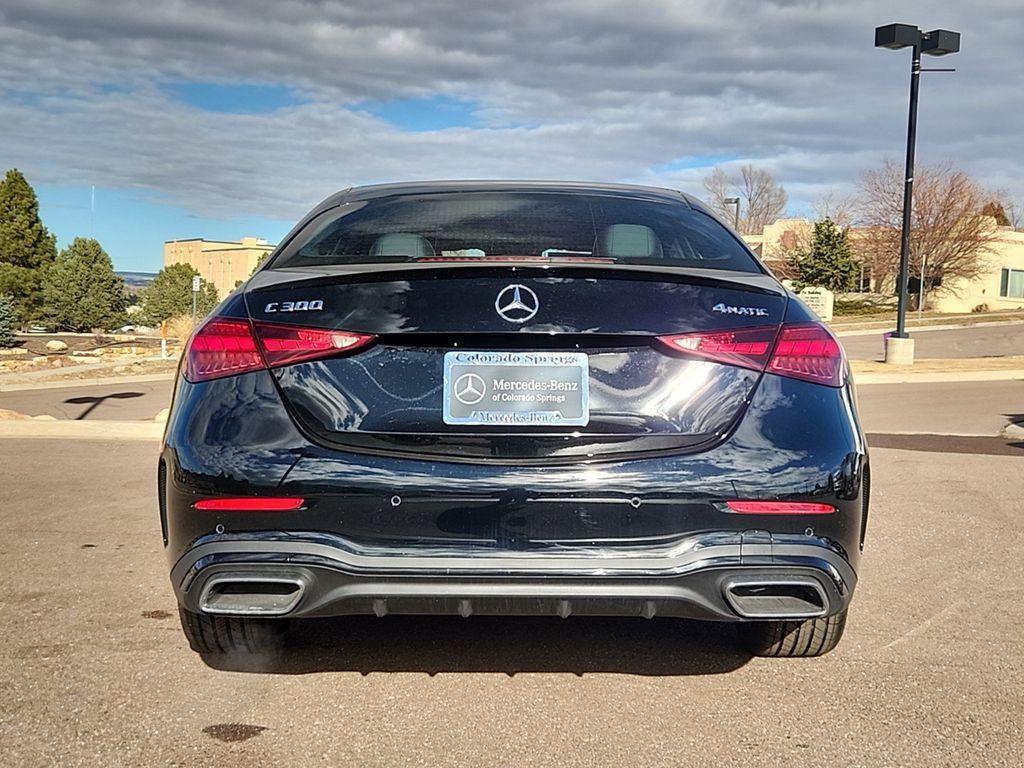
{"x":485,"y":226}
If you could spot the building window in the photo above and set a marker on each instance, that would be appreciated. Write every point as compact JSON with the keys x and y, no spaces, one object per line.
{"x":1011,"y":284}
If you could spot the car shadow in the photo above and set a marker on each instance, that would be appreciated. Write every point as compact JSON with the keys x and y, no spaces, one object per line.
{"x":95,"y":402}
{"x":509,"y":645}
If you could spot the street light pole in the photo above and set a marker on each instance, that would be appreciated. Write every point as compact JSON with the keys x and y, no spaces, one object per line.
{"x":908,"y":193}
{"x":734,"y":201}
{"x":938,"y":42}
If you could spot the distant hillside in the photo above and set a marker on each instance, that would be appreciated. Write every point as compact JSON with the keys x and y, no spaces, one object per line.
{"x":136,"y":280}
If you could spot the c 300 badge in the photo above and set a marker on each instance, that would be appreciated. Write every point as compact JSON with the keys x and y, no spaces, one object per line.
{"x":294,"y":306}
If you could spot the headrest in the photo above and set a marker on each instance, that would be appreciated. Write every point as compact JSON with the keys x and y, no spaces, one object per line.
{"x":628,"y":241}
{"x":402,"y":244}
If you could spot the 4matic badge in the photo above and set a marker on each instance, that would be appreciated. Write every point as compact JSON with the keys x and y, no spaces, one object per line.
{"x":729,"y":309}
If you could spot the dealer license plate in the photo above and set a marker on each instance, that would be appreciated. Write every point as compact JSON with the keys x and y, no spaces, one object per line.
{"x":516,"y":388}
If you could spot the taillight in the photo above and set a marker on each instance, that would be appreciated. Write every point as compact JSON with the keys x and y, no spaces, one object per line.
{"x":221,"y":347}
{"x":780,"y":508}
{"x":809,"y":352}
{"x":800,"y":351}
{"x":250,"y":504}
{"x":745,"y":347}
{"x":225,"y":346}
{"x":287,"y":344}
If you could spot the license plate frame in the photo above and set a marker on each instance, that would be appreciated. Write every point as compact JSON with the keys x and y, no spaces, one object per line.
{"x":502,"y":395}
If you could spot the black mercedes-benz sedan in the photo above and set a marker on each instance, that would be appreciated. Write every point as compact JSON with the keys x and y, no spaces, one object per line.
{"x":511,"y":398}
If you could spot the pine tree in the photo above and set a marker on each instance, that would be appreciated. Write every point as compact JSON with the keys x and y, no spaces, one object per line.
{"x":26,"y":247}
{"x":8,"y":322}
{"x":170,"y":295}
{"x":24,"y":241}
{"x":81,"y":291}
{"x":25,"y":287}
{"x":829,"y":262}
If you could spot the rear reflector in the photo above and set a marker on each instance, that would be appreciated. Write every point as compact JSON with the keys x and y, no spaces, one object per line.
{"x":225,"y":346}
{"x":807,"y":351}
{"x":250,"y":504}
{"x":780,"y":508}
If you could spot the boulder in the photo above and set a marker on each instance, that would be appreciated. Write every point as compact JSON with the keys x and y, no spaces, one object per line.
{"x":56,"y":345}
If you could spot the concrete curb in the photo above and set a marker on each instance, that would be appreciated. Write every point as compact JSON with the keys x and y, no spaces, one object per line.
{"x":938,"y":377}
{"x":83,"y":430}
{"x":912,"y":329}
{"x":18,"y":386}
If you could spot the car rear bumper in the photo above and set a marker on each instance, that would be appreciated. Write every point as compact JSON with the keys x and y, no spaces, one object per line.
{"x":726,"y":575}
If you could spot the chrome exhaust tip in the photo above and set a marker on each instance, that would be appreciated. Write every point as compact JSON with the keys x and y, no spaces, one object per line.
{"x":764,"y":597}
{"x":251,"y":595}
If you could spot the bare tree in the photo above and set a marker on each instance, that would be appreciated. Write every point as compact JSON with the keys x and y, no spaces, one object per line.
{"x":1015,"y":213}
{"x":1010,"y":207}
{"x":837,"y":207}
{"x":765,"y":200}
{"x":949,"y":236}
{"x":762,"y":200}
{"x":717,"y":185}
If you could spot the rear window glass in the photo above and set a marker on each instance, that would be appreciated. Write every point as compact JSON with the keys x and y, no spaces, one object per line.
{"x":529,"y":225}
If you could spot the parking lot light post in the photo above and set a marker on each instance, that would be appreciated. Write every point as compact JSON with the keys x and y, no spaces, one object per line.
{"x":736,"y":216}
{"x":938,"y":42}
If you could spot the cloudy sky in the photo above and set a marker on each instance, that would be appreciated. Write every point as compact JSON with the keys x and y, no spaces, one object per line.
{"x":223,"y":119}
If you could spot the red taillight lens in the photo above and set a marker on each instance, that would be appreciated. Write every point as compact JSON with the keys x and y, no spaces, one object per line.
{"x":746,"y":347}
{"x":229,"y":346}
{"x":250,"y":504}
{"x":222,"y":347}
{"x":287,"y":344}
{"x":780,"y":508}
{"x":808,"y":352}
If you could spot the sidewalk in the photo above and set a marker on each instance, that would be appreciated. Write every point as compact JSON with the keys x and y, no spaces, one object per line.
{"x":926,"y":371}
{"x":929,"y":322}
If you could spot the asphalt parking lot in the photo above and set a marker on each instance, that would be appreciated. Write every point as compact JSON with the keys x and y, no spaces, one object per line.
{"x":988,"y":340}
{"x":96,"y":671}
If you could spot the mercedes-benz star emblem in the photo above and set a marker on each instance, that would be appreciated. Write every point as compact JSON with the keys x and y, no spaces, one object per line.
{"x":469,"y":389}
{"x":517,"y":303}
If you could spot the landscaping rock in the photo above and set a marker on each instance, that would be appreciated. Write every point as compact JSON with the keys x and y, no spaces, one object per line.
{"x":55,"y":345}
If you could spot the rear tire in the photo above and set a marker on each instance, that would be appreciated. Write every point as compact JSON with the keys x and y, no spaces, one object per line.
{"x":810,"y":637}
{"x":218,"y":635}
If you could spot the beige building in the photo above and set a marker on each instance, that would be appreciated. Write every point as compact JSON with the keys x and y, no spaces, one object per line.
{"x":221,"y":262}
{"x":778,"y":238}
{"x":1001,"y":285}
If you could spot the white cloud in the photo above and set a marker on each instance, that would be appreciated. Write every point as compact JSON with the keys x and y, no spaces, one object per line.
{"x":578,"y":89}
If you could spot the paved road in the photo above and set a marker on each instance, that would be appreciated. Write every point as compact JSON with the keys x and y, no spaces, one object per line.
{"x":971,"y":408}
{"x":996,"y":340}
{"x":128,"y":401}
{"x":96,"y":672}
{"x":955,"y":408}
